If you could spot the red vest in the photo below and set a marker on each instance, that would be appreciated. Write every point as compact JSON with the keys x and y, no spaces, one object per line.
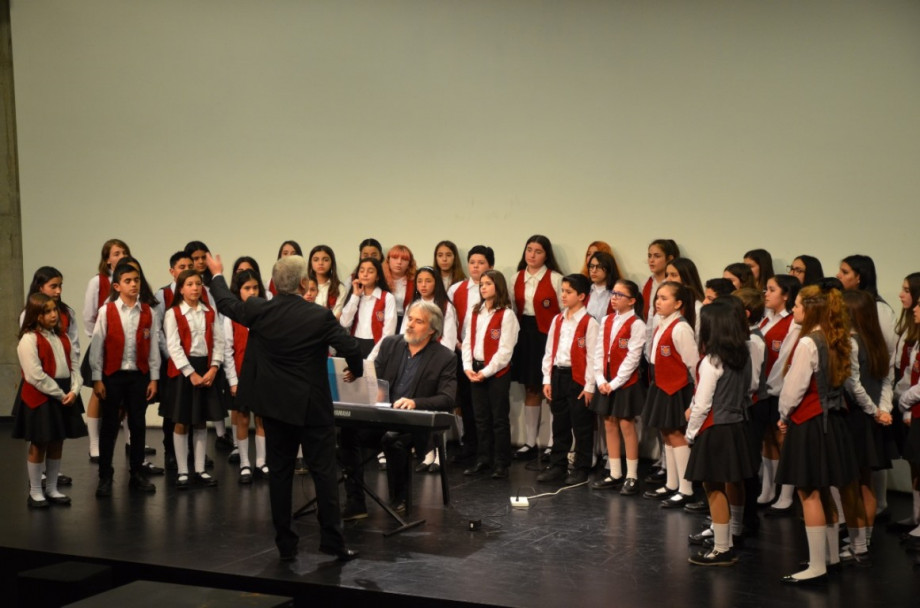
{"x":64,"y":321}
{"x":914,"y":378}
{"x":114,"y":345}
{"x":410,"y":293}
{"x":545,"y":300}
{"x":205,"y":297}
{"x":331,"y":298}
{"x":30,"y":395}
{"x":240,"y":338}
{"x":167,"y":297}
{"x":618,"y":349}
{"x":670,"y":371}
{"x":578,"y":351}
{"x":905,"y":358}
{"x":773,"y":341}
{"x":493,"y":338}
{"x":271,"y":287}
{"x":185,"y":337}
{"x":461,"y":298}
{"x":810,"y":405}
{"x":647,"y":298}
{"x":105,"y":286}
{"x":376,"y":319}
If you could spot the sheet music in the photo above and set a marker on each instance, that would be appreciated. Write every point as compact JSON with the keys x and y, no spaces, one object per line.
{"x":366,"y":390}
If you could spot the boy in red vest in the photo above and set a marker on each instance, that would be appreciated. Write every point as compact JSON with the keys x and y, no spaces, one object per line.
{"x":126,"y":366}
{"x":568,"y":383}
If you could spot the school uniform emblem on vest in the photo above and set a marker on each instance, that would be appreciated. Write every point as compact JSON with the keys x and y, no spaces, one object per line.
{"x":581,"y":342}
{"x":665,"y":350}
{"x":775,"y":345}
{"x":546,"y":303}
{"x":146,"y":333}
{"x":495,"y":334}
{"x":379,"y":315}
{"x":623,"y":343}
{"x":915,"y":367}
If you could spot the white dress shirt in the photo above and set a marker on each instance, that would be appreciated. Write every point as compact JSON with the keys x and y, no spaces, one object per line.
{"x":363,"y":308}
{"x":130,"y":316}
{"x":502,"y":356}
{"x":684,"y":342}
{"x":34,"y":374}
{"x":637,"y":336}
{"x":472,"y":299}
{"x":530,"y":287}
{"x":197,"y":326}
{"x":563,"y":357}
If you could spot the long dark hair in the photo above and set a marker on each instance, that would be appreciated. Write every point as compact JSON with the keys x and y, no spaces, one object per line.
{"x":689,"y":276}
{"x":440,"y":294}
{"x":334,"y":282}
{"x":864,"y":268}
{"x":789,"y":286}
{"x":683,"y":295}
{"x":146,"y":293}
{"x":864,"y":321}
{"x":35,"y":307}
{"x":743,"y":273}
{"x":906,"y":326}
{"x":294,"y":244}
{"x":724,"y":332}
{"x":244,"y":276}
{"x":381,"y":279}
{"x":764,"y":262}
{"x":813,"y":269}
{"x":456,"y":272}
{"x":609,"y":264}
{"x":634,"y":292}
{"x":248,"y":260}
{"x":502,"y":298}
{"x":193,"y":246}
{"x":41,"y":277}
{"x":550,"y":261}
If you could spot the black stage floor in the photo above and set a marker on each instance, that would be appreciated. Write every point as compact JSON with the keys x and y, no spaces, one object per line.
{"x":579,"y":548}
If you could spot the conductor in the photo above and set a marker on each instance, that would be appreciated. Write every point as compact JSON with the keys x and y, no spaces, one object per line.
{"x":283,"y":379}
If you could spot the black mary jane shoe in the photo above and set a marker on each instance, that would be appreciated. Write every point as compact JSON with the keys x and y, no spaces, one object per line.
{"x":63,"y":500}
{"x":608,"y":483}
{"x":245,"y":476}
{"x":182,"y":482}
{"x":815,"y":580}
{"x":205,"y":480}
{"x":630,"y":487}
{"x":528,"y":452}
{"x":38,"y":504}
{"x":676,"y":501}
{"x":421,"y":467}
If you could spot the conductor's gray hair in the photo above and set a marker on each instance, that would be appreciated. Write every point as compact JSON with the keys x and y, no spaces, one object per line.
{"x":435,"y":316}
{"x":288,"y":272}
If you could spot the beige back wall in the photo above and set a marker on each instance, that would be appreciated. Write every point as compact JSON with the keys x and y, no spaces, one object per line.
{"x":724,"y":125}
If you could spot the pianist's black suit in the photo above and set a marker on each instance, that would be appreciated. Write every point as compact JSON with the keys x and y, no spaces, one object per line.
{"x":284,"y":380}
{"x":434,"y":388}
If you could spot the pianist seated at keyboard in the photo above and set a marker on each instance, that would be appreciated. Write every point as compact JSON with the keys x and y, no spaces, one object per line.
{"x":422,"y":374}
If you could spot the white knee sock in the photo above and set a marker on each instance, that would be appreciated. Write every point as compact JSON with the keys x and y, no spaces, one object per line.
{"x":721,"y":537}
{"x":859,"y":544}
{"x":786,"y":494}
{"x":768,"y":482}
{"x":429,"y":457}
{"x":532,"y":423}
{"x":243,"y":447}
{"x":632,"y":468}
{"x":180,"y":443}
{"x":92,"y":425}
{"x":52,"y":468}
{"x":260,"y":450}
{"x":220,"y":428}
{"x":737,"y":519}
{"x":200,"y":440}
{"x":817,"y":544}
{"x":833,"y":543}
{"x":673,"y":481}
{"x":681,"y":458}
{"x":35,"y":480}
{"x":616,"y":467}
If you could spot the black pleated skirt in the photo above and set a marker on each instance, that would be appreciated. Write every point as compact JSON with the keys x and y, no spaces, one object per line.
{"x":625,"y":402}
{"x":911,"y":452}
{"x":527,"y":360}
{"x":868,"y":443}
{"x":664,"y":411}
{"x":189,"y":405}
{"x":813,"y":458}
{"x":722,"y":453}
{"x":85,"y":370}
{"x":49,"y":422}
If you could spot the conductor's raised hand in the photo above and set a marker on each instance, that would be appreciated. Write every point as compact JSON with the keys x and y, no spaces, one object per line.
{"x":214,"y":264}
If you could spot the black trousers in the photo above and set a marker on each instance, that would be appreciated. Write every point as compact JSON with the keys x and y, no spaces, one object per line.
{"x":570,"y":415}
{"x":492,"y":407}
{"x":395,"y":445}
{"x":464,"y":400}
{"x":126,"y":391}
{"x":318,"y":443}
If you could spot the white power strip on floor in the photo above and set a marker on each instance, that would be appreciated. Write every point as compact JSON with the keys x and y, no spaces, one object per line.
{"x":520,"y":502}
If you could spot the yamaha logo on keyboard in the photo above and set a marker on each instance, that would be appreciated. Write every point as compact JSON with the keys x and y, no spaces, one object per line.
{"x":342,"y":413}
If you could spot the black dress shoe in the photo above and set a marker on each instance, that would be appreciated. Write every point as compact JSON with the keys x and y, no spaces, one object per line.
{"x":421,"y":467}
{"x":37,"y":504}
{"x":676,"y":501}
{"x":657,"y":476}
{"x":245,"y":476}
{"x":104,"y":488}
{"x":434,"y":468}
{"x":182,"y":482}
{"x":343,"y":554}
{"x":205,"y":479}
{"x":883,"y":516}
{"x":152,"y":469}
{"x":661,"y":493}
{"x":700,"y":537}
{"x":477,"y":468}
{"x":699,"y":506}
{"x":94,"y":459}
{"x":399,"y":505}
{"x":630,"y":487}
{"x":234,"y":458}
{"x":64,"y":480}
{"x":354,"y":511}
{"x":552,"y":473}
{"x":576,"y":477}
{"x":63,"y":500}
{"x":140,"y":483}
{"x":500,"y":472}
{"x":171,"y":464}
{"x":779,"y":512}
{"x":608,"y":483}
{"x":528,"y":452}
{"x":815,"y":580}
{"x":224,"y":442}
{"x":149,"y":451}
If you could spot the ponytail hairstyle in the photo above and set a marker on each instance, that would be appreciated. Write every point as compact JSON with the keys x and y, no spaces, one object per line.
{"x":683,"y":295}
{"x":825,"y":312}
{"x":668,"y":247}
{"x":44,"y":275}
{"x":371,"y":242}
{"x":864,"y":268}
{"x":635,"y":293}
{"x":752,"y":301}
{"x":34,"y":308}
{"x":789,"y":286}
{"x":864,"y":320}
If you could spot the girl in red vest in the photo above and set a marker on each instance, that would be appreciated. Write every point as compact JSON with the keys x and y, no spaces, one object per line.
{"x":817,"y":452}
{"x":287,"y":248}
{"x":370,"y":309}
{"x":620,"y":393}
{"x":908,"y":332}
{"x":537,"y":285}
{"x":97,"y":293}
{"x":449,"y":264}
{"x":48,"y":409}
{"x":660,"y":252}
{"x":683,"y":271}
{"x":486,"y":360}
{"x":776,"y":326}
{"x":761,"y":264}
{"x":722,"y":456}
{"x":244,"y":285}
{"x":322,"y":269}
{"x":672,"y":364}
{"x":195,"y":341}
{"x":399,"y":268}
{"x":909,"y":402}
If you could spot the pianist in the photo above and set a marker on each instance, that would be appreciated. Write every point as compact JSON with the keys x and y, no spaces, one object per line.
{"x":422,"y":374}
